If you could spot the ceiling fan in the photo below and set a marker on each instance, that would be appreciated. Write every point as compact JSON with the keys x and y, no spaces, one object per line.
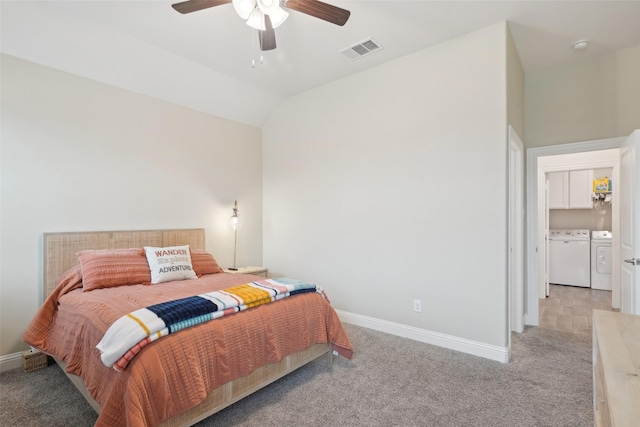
{"x":266,"y":15}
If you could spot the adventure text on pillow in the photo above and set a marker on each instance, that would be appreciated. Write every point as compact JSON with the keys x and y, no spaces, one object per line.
{"x":169,"y":263}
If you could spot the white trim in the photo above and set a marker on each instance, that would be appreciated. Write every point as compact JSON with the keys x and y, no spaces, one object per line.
{"x":516,"y":233}
{"x":531,"y":284}
{"x":10,"y":361}
{"x":476,"y":348}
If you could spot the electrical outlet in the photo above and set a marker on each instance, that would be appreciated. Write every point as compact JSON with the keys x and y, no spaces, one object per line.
{"x":417,"y":306}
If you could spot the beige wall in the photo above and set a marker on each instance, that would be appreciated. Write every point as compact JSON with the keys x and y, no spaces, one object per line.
{"x":598,"y":218}
{"x":395,"y":180}
{"x":78,"y":155}
{"x":590,"y":99}
{"x":515,"y":88}
{"x":46,"y":33}
{"x":357,"y":188}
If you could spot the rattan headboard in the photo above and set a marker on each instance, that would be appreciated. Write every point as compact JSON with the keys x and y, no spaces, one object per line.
{"x":60,"y":248}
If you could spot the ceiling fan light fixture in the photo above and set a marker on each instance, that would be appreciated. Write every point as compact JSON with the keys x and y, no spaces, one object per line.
{"x":244,"y":7}
{"x":278,"y":17}
{"x":268,"y":6}
{"x":265,"y":15}
{"x":256,"y":20}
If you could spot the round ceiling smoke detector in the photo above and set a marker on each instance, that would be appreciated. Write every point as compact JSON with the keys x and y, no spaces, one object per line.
{"x":580,"y":45}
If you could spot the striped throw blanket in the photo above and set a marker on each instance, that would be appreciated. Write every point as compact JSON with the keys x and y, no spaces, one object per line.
{"x":132,"y":332}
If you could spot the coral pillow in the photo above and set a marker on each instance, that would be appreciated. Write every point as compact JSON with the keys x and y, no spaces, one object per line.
{"x":108,"y":268}
{"x":170,"y":263}
{"x":72,"y":277}
{"x":204,"y":263}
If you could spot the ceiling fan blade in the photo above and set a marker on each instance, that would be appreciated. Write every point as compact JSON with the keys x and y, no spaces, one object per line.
{"x":196,"y":5}
{"x":268,"y":36}
{"x":320,"y":10}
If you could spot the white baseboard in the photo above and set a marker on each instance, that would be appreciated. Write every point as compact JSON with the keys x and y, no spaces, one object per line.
{"x":500,"y":354}
{"x":530,"y":321}
{"x":10,"y":361}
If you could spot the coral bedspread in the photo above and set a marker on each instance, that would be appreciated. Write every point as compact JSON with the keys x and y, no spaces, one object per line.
{"x":175,"y":373}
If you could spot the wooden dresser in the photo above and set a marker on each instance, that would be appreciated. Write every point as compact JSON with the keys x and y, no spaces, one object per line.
{"x":616,"y":369}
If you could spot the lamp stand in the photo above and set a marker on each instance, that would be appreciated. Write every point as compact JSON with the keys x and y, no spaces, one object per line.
{"x":235,"y":249}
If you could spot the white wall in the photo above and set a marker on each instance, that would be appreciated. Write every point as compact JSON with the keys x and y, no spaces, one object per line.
{"x":584,"y":101}
{"x":394,"y":180}
{"x":44,"y":33}
{"x":78,"y":155}
{"x":515,"y":88}
{"x":515,"y":119}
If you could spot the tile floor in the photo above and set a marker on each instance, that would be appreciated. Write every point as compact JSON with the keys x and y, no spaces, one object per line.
{"x":569,"y":308}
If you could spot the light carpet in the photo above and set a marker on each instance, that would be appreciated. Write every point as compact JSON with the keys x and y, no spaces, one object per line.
{"x":391,"y":381}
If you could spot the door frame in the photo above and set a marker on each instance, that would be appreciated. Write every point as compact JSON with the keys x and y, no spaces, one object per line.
{"x":516,"y":233}
{"x":533,"y":257}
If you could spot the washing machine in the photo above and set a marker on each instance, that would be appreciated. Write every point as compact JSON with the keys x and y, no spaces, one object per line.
{"x":601,"y":260}
{"x":570,"y":257}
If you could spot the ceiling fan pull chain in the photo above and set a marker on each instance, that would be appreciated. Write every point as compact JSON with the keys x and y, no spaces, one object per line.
{"x":253,"y":61}
{"x":253,"y":48}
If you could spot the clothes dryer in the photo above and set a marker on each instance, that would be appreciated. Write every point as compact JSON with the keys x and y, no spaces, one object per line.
{"x":601,"y":260}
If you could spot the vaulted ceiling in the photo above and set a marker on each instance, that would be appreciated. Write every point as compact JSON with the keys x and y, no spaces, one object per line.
{"x":205,"y":59}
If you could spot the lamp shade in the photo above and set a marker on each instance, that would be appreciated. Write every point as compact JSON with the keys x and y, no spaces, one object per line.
{"x":234,"y":220}
{"x":234,"y":223}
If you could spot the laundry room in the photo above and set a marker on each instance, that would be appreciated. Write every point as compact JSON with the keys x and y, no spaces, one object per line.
{"x":580,"y":228}
{"x":576,"y":205}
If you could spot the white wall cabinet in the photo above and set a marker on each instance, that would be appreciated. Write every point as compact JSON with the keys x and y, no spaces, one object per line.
{"x":558,"y":190}
{"x":570,"y":190}
{"x":580,"y":189}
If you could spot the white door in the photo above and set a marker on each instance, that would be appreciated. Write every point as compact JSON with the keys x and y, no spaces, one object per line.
{"x":630,"y":224}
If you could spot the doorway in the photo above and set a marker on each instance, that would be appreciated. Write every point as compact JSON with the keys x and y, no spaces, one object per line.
{"x":536,"y":205}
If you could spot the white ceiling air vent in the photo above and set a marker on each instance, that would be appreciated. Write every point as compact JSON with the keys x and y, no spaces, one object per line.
{"x":361,"y":49}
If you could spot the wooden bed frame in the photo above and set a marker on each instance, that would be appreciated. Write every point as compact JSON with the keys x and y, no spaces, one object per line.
{"x":60,"y":254}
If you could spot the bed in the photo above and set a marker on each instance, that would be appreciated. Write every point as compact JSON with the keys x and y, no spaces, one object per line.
{"x":188,"y":375}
